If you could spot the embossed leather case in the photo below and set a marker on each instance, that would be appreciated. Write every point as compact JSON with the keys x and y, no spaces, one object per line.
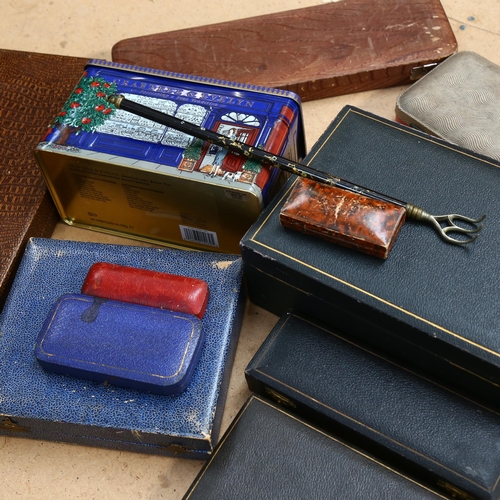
{"x":321,"y":51}
{"x":457,"y":101}
{"x":120,"y":343}
{"x":409,"y":421}
{"x":29,"y":98}
{"x":42,"y":405}
{"x":432,"y":304}
{"x":269,"y":453}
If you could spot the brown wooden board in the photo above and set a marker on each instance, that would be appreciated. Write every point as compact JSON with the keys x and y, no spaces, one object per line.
{"x":33,"y":88}
{"x":322,"y":51}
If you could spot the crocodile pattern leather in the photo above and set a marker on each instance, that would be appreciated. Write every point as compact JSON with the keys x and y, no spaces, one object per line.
{"x":33,"y":87}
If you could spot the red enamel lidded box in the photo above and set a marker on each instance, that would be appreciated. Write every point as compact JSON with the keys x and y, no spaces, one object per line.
{"x":177,"y":293}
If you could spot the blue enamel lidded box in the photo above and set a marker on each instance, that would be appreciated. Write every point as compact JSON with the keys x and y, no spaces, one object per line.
{"x":124,"y":344}
{"x":114,"y":172}
{"x":42,"y":405}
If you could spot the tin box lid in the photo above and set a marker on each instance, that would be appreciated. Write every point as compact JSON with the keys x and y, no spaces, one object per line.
{"x":89,"y":124}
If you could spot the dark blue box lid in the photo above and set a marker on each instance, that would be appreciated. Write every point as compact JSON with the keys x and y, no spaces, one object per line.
{"x":430,"y":304}
{"x":270,"y":453}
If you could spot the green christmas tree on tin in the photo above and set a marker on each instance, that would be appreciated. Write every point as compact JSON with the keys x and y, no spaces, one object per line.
{"x":86,"y":108}
{"x":193,"y":151}
{"x":252,"y":165}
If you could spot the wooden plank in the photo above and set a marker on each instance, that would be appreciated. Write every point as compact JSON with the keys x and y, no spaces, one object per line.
{"x":322,"y":51}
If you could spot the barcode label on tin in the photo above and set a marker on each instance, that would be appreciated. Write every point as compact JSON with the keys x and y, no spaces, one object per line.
{"x":196,"y":235}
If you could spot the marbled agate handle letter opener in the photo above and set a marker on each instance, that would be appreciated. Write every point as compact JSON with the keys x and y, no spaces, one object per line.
{"x":341,"y":205}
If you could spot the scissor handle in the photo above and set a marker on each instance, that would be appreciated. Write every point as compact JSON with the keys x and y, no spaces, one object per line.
{"x":446,"y":224}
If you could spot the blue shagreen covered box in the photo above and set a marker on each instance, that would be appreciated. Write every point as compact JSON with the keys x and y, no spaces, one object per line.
{"x":42,"y":405}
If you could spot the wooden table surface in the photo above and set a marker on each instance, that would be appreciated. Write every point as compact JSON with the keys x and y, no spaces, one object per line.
{"x":47,"y":470}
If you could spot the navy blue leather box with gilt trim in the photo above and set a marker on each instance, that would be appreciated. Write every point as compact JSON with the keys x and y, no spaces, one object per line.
{"x":430,"y":304}
{"x":269,"y":453}
{"x":38,"y":404}
{"x":410,"y":422}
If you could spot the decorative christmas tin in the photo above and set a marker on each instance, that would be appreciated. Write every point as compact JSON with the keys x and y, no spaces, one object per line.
{"x":111,"y":171}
